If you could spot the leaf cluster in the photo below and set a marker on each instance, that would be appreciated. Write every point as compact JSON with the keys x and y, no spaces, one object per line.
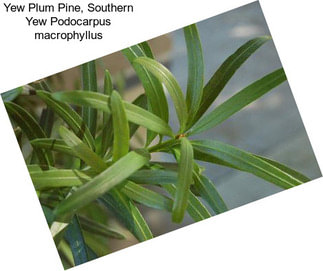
{"x":108,"y":175}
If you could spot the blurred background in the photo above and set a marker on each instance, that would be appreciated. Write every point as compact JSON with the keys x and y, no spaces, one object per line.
{"x":270,"y":127}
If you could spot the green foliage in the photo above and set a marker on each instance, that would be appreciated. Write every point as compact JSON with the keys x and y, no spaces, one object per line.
{"x":167,"y":78}
{"x":89,"y":83}
{"x":238,"y":101}
{"x":32,"y":130}
{"x":185,"y":177}
{"x":74,"y":237}
{"x":121,"y":136}
{"x":107,"y":176}
{"x":157,"y":102}
{"x":195,"y":69}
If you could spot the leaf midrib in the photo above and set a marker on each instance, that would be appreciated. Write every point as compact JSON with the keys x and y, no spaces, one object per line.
{"x":261,"y":169}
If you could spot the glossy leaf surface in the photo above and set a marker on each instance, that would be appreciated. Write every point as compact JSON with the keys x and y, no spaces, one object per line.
{"x":167,"y":78}
{"x":103,"y":182}
{"x":239,"y":101}
{"x":185,"y":175}
{"x":225,"y":72}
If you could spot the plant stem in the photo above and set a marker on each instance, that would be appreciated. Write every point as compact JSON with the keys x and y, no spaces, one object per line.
{"x":166,"y":144}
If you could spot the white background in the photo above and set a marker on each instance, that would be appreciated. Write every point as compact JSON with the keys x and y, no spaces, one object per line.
{"x":280,"y":232}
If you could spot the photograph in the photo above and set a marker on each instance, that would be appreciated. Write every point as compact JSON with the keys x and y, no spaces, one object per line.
{"x":160,"y":135}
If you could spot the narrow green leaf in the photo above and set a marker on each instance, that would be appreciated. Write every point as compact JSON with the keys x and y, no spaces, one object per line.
{"x":144,"y":118}
{"x":195,"y":79}
{"x":52,"y":144}
{"x":107,"y":130}
{"x":95,"y":211}
{"x":95,"y":100}
{"x":140,"y":101}
{"x":148,"y":176}
{"x":297,"y":175}
{"x":135,"y":113}
{"x":204,"y":155}
{"x":246,"y":161}
{"x":146,"y":197}
{"x":165,"y":146}
{"x":47,"y":121}
{"x":103,"y":182}
{"x":47,"y":115}
{"x":120,"y":127}
{"x":72,"y":119}
{"x":74,"y":237}
{"x":206,"y":188}
{"x":195,"y":208}
{"x":220,"y":78}
{"x":146,"y":48}
{"x":108,"y":86}
{"x":239,"y":101}
{"x":31,"y":128}
{"x":153,"y":88}
{"x":97,"y":243}
{"x":150,"y":134}
{"x":185,"y":175}
{"x":10,"y":95}
{"x":89,"y":83}
{"x":99,"y":229}
{"x":107,"y":136}
{"x":167,"y":78}
{"x":84,"y":98}
{"x":37,"y":167}
{"x":127,"y":213}
{"x":81,"y":150}
{"x":157,"y":102}
{"x":56,"y":178}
